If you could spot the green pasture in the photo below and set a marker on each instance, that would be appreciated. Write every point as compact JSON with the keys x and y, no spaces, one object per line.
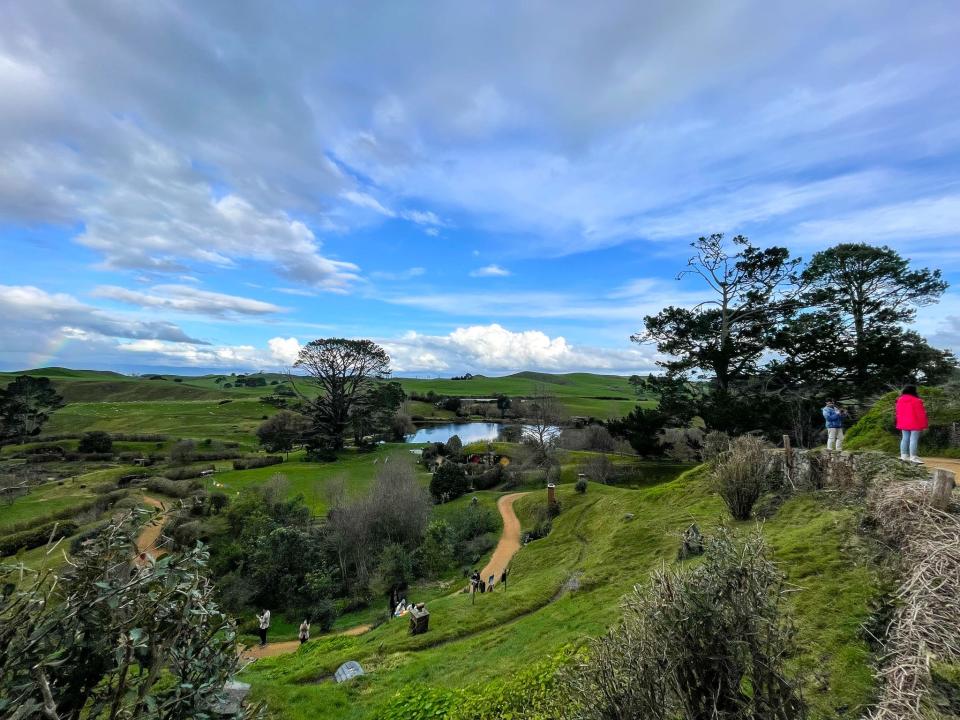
{"x":566,"y":587}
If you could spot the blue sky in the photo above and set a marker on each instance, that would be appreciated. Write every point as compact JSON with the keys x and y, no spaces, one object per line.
{"x":486,"y":189}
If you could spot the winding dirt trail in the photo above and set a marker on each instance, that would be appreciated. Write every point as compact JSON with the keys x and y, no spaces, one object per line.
{"x":509,"y":541}
{"x":506,"y":548}
{"x":273,"y":649}
{"x":147,"y":540}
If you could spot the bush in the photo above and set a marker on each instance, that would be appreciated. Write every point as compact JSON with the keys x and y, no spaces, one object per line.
{"x":489,"y":478}
{"x":182,"y":452}
{"x":29,"y":539}
{"x":186,"y":473}
{"x":256,"y":461}
{"x":691,"y":644}
{"x":171,"y":488}
{"x":95,"y":441}
{"x":581,"y":486}
{"x":740,"y":475}
{"x":449,"y":482}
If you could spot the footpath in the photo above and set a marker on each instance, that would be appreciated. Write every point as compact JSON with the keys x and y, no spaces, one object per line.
{"x":506,"y":548}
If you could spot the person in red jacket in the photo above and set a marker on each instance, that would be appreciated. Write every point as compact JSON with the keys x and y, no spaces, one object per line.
{"x":911,"y":420}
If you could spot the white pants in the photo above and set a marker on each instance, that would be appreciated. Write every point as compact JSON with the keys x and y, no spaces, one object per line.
{"x":834,"y":438}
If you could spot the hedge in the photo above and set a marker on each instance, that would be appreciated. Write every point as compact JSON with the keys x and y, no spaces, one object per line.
{"x":29,"y":539}
{"x":256,"y":461}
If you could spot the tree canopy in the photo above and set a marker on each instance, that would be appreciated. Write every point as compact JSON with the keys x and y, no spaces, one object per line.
{"x":25,"y":405}
{"x":345,"y":371}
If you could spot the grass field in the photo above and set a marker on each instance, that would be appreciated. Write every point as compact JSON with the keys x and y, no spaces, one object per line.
{"x":506,"y":632}
{"x":582,"y":394}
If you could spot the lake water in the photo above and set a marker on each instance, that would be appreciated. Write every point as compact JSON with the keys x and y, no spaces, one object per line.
{"x":468,"y":431}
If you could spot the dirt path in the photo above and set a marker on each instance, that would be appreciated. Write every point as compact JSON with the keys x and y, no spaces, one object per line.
{"x":509,"y":540}
{"x":147,"y":541}
{"x":946,"y":463}
{"x":288,"y":646}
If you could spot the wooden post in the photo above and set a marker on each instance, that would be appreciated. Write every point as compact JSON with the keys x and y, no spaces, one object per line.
{"x":788,"y":460}
{"x":551,"y":494}
{"x":942,"y":487}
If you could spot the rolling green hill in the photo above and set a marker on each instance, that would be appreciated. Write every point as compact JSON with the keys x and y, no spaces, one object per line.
{"x":875,"y":430}
{"x":566,"y":587}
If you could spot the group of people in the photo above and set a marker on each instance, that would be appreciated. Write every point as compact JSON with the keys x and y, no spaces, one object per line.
{"x":478,"y":584}
{"x":263,"y":625}
{"x":910,"y":418}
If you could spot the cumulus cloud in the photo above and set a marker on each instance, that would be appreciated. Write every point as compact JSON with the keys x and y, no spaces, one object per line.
{"x":280,"y":353}
{"x":187,"y":299}
{"x":490,"y":271}
{"x":685,"y":125}
{"x":487,"y":348}
{"x":28,"y":311}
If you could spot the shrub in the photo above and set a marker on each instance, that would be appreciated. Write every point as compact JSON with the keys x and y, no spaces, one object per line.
{"x":182,"y":452}
{"x":598,"y":468}
{"x":171,"y":488}
{"x":449,"y":482}
{"x":186,"y":473}
{"x":95,"y":441}
{"x":29,"y":539}
{"x":709,"y":643}
{"x":489,"y":478}
{"x":740,"y":475}
{"x":256,"y":461}
{"x":581,"y":486}
{"x":715,"y":444}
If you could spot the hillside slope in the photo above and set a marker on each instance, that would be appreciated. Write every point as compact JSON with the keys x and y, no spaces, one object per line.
{"x":875,"y":430}
{"x":567,"y":586}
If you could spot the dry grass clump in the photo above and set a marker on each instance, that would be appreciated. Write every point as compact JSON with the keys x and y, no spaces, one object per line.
{"x":740,"y":474}
{"x":697,"y":645}
{"x":925,"y":625}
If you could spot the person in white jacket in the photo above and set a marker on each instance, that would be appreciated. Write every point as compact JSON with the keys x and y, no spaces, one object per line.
{"x":264,"y":622}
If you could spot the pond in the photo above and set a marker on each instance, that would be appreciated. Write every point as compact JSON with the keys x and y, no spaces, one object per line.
{"x":468,"y":431}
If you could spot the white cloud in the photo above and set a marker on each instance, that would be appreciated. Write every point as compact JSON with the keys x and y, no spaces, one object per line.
{"x":487,"y":348}
{"x":407,"y":274}
{"x":187,"y":299}
{"x":38,"y":327}
{"x":490,"y":271}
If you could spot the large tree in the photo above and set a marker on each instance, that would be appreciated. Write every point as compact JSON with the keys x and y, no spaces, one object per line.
{"x":849,"y":337}
{"x":346,"y":372}
{"x":725,"y":336}
{"x":25,"y":405}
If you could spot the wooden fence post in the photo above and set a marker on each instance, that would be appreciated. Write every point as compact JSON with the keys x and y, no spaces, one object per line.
{"x":940,"y":491}
{"x":788,"y":460}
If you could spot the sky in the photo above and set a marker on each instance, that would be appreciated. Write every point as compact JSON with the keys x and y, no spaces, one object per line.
{"x":479,"y":187}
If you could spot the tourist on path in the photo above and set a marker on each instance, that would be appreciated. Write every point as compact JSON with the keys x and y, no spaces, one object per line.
{"x":264,"y":623}
{"x":911,"y":421}
{"x":304,"y":633}
{"x":503,"y":578}
{"x":834,"y":420}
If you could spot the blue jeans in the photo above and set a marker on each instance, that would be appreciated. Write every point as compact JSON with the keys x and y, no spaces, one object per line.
{"x":908,"y":442}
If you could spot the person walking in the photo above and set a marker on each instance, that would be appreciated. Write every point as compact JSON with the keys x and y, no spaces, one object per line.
{"x":490,"y":581}
{"x":264,"y":623}
{"x":833,"y":416}
{"x":304,"y":633}
{"x":911,"y":421}
{"x":503,"y":579}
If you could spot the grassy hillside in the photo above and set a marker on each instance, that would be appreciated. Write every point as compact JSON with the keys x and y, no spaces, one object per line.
{"x":582,"y":394}
{"x":566,"y":587}
{"x":875,"y":430}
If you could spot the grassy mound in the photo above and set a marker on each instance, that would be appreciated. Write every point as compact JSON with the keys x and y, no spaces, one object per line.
{"x":876,"y":430}
{"x":567,"y":586}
